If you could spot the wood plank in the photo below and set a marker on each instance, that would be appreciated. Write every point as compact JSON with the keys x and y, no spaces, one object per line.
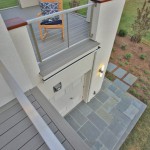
{"x":9,"y":105}
{"x":59,"y":121}
{"x":11,"y":122}
{"x":35,"y":143}
{"x":31,"y":98}
{"x":10,"y":112}
{"x":14,"y":132}
{"x":43,"y":147}
{"x":20,"y":140}
{"x":14,"y":23}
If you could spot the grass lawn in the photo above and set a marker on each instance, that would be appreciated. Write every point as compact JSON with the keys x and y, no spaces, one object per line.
{"x":82,"y":2}
{"x":129,"y":15}
{"x":8,"y":3}
{"x":11,"y":3}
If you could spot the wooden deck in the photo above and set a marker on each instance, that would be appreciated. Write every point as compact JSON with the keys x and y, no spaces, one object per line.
{"x":78,"y":29}
{"x":18,"y":133}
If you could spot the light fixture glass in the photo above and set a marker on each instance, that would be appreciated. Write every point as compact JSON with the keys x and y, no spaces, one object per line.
{"x":101,"y":70}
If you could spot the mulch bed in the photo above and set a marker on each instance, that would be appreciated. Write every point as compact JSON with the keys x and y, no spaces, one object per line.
{"x":134,"y":65}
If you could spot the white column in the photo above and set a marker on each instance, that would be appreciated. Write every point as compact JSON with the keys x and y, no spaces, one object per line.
{"x":26,"y":53}
{"x":106,"y":18}
{"x":10,"y":57}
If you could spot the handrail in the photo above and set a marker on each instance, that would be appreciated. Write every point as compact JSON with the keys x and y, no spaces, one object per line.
{"x":59,"y":13}
{"x":45,"y":132}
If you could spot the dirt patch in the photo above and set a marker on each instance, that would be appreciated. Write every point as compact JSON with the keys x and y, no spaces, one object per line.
{"x":134,"y":58}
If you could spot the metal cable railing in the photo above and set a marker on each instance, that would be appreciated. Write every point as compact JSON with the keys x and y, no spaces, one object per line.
{"x":76,"y":30}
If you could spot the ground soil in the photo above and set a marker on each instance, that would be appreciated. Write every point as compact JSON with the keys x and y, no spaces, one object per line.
{"x":134,"y":65}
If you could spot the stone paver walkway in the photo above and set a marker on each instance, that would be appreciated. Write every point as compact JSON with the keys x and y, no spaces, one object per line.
{"x":121,"y":74}
{"x":121,"y":85}
{"x":105,"y":122}
{"x":130,"y":79}
{"x":111,"y":67}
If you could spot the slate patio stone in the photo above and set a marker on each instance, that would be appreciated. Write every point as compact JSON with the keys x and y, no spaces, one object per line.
{"x":113,"y":88}
{"x":84,"y":108}
{"x":111,"y":67}
{"x":71,"y":121}
{"x":131,"y":111}
{"x":89,"y":131}
{"x":108,"y":139}
{"x":130,"y":79}
{"x":117,"y":127}
{"x":103,"y":148}
{"x":112,"y":95}
{"x":119,"y":93}
{"x":94,"y":104}
{"x":120,"y":73}
{"x":102,"y":96}
{"x":98,"y":122}
{"x":137,"y":103}
{"x":121,"y":85}
{"x":89,"y":143}
{"x":104,"y":115}
{"x":108,"y":118}
{"x":106,"y":83}
{"x":110,"y":104}
{"x":123,"y":105}
{"x":81,"y":135}
{"x":97,"y":146}
{"x":78,"y":117}
{"x":121,"y":117}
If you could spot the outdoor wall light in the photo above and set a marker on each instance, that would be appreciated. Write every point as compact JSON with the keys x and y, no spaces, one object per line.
{"x":101,"y":70}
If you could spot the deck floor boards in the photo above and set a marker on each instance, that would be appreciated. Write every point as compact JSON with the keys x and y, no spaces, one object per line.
{"x":17,"y":131}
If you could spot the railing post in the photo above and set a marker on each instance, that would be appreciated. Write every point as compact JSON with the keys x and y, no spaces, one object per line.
{"x":89,"y":11}
{"x":91,"y":20}
{"x":35,"y":43}
{"x":67,"y":20}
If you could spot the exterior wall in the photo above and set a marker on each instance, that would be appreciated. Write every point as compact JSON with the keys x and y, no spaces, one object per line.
{"x":28,"y":3}
{"x":104,"y":30}
{"x":67,"y":77}
{"x":11,"y":59}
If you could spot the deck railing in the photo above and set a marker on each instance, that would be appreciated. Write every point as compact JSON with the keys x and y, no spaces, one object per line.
{"x":77,"y":28}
